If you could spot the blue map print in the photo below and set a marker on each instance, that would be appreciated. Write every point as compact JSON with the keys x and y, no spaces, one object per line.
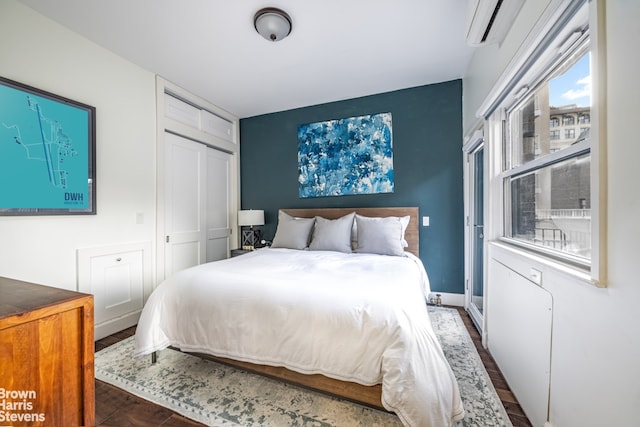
{"x":346,"y":156}
{"x":42,"y":165}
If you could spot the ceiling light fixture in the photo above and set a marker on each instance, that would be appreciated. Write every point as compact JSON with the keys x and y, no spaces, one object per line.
{"x":273,"y":24}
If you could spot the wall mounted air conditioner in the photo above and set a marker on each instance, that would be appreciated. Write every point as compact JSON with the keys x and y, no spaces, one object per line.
{"x":490,"y":20}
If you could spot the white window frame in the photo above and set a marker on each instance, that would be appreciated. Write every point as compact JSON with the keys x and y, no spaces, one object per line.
{"x":561,"y":26}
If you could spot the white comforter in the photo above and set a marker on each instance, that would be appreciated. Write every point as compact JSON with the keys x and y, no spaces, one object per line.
{"x":354,"y":317}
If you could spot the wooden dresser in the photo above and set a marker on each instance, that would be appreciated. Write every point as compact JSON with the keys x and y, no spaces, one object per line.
{"x":46,"y":356}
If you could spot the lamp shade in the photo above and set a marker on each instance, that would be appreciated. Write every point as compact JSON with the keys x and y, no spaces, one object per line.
{"x":272,"y":24}
{"x":251,"y":217}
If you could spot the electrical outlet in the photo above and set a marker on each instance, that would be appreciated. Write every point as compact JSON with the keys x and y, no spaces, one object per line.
{"x":425,"y":221}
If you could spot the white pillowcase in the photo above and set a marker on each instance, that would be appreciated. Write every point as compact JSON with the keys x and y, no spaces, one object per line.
{"x":382,"y":236}
{"x":332,"y":234}
{"x":404,"y":220}
{"x":292,"y":233}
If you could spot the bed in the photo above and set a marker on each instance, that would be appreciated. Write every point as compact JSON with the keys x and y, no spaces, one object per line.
{"x":337,"y":303}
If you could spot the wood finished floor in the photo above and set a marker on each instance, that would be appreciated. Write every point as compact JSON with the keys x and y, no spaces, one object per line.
{"x":117,"y":408}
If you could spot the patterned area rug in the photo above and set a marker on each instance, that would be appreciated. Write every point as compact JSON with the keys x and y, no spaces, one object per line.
{"x":481,"y":402}
{"x":219,"y":395}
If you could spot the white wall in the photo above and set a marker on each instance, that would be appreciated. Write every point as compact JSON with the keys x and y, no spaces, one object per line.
{"x":595,"y":368}
{"x":38,"y":52}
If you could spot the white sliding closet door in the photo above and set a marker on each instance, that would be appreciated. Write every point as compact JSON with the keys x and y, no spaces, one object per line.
{"x":218,"y":204}
{"x":196,"y":203}
{"x":185,"y":203}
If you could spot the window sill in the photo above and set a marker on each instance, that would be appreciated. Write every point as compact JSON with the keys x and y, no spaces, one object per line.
{"x":536,"y":260}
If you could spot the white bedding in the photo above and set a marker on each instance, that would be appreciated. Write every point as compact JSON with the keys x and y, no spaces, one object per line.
{"x":353,"y":317}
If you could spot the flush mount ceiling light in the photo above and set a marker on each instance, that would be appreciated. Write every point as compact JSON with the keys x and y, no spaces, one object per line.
{"x":272,"y":24}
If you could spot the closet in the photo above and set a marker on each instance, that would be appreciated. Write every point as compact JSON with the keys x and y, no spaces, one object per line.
{"x":198,"y":191}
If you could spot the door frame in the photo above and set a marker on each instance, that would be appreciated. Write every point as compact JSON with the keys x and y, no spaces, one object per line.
{"x":473,"y":143}
{"x":166,"y":124}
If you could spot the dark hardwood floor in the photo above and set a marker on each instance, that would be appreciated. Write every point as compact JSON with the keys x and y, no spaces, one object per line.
{"x":117,"y":408}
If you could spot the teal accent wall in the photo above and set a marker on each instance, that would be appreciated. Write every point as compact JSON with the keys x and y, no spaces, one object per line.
{"x":427,"y":159}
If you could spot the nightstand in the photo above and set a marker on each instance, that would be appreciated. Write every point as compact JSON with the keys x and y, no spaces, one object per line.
{"x":238,"y":252}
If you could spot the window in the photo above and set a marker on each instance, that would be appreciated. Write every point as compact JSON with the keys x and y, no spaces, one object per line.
{"x":546,"y":195}
{"x":547,"y":189}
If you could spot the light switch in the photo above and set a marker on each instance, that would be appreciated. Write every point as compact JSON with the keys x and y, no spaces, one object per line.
{"x":139,"y":218}
{"x":425,"y":221}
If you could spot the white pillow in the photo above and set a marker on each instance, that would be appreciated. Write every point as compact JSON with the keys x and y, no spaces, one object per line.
{"x":404,"y":220}
{"x":292,"y":233}
{"x":380,"y":235}
{"x":332,"y":234}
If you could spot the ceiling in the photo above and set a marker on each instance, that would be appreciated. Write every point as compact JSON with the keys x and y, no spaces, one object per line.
{"x":338,"y":49}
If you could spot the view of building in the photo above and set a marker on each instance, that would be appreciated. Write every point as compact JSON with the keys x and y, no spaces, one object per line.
{"x":552,"y":206}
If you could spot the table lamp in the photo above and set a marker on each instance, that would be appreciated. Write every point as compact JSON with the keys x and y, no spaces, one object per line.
{"x":249,"y":218}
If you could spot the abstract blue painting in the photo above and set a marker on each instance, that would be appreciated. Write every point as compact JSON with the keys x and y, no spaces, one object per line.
{"x":345,"y":156}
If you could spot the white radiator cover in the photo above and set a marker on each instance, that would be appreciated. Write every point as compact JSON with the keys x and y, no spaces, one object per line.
{"x":120,"y":279}
{"x":519,"y":322}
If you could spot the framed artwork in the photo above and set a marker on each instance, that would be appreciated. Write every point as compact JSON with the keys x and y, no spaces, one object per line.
{"x":47,"y":153}
{"x":346,"y":156}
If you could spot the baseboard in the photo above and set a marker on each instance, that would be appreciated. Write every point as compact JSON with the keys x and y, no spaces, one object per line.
{"x":110,"y":327}
{"x":449,"y":299}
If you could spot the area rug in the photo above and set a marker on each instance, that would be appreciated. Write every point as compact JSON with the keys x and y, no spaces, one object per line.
{"x":219,"y":395}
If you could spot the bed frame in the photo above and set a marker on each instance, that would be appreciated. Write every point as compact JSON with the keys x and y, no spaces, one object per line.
{"x":366,"y":395}
{"x":410,"y":235}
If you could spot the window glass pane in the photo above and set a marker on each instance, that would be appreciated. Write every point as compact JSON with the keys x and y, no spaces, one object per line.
{"x":551,"y":206}
{"x":555,"y":115}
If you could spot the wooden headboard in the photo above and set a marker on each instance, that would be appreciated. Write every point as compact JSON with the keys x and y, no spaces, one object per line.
{"x":410,"y":235}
